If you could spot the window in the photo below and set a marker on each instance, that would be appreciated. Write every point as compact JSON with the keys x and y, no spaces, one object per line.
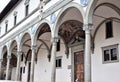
{"x":15,"y":18}
{"x":26,"y":10}
{"x":26,"y":7}
{"x":58,"y":62}
{"x":109,"y":29}
{"x":58,"y":45}
{"x":22,"y":57}
{"x":6,"y":25}
{"x":110,"y":53}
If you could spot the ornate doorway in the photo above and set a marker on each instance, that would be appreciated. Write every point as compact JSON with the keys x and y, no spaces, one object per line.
{"x":79,"y":66}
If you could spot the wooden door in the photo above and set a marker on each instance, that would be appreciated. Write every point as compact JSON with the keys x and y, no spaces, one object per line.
{"x":78,"y":66}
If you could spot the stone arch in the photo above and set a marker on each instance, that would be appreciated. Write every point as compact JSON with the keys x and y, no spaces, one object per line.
{"x":63,"y":11}
{"x":4,"y":62}
{"x":91,"y":9}
{"x":3,"y":52}
{"x":44,"y":27}
{"x":71,"y":32}
{"x":12,"y":44}
{"x":22,"y":37}
{"x":26,"y":38}
{"x":114,"y":7}
{"x":39,"y":27}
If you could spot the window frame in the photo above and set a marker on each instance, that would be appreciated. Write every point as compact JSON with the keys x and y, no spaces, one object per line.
{"x":57,"y":58}
{"x":15,"y":20}
{"x":26,"y":10}
{"x":15,"y":17}
{"x":109,"y":48}
{"x":6,"y":26}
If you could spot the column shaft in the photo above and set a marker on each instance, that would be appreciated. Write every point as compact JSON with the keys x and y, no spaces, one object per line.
{"x":18,"y":65}
{"x":53,"y":59}
{"x":87,"y":56}
{"x":32,"y":64}
{"x":8,"y":66}
{"x":1,"y":68}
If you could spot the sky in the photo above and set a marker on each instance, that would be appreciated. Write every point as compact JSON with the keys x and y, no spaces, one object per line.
{"x":3,"y":3}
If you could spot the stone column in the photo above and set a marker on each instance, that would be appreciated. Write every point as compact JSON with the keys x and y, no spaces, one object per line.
{"x":33,"y":48}
{"x":8,"y":66}
{"x":19,"y":53}
{"x":87,"y":56}
{"x":53,"y":59}
{"x":1,"y":67}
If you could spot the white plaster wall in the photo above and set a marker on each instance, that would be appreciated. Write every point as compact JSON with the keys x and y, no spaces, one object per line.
{"x":13,"y":74}
{"x":63,"y":74}
{"x":105,"y":72}
{"x":43,"y":67}
{"x":25,"y":74}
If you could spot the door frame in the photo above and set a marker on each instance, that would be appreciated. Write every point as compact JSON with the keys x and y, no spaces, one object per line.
{"x":74,"y":49}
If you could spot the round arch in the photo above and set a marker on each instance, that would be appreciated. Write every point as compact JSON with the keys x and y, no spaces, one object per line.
{"x":12,"y":44}
{"x":3,"y":52}
{"x":39,"y":27}
{"x":63,"y":10}
{"x":22,"y":38}
{"x":91,"y":9}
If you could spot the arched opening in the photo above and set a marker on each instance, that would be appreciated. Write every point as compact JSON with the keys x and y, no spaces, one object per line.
{"x":25,"y":66}
{"x":4,"y":63}
{"x":70,"y":45}
{"x":43,"y":42}
{"x":13,"y":60}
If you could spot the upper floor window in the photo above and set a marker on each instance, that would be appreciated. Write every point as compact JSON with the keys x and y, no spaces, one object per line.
{"x":110,"y":53}
{"x":26,"y":10}
{"x":15,"y":18}
{"x":27,"y":7}
{"x":109,"y":29}
{"x":6,"y":25}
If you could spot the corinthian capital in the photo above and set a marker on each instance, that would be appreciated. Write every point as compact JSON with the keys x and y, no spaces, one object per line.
{"x":55,"y":39}
{"x":88,"y":27}
{"x":34,"y":47}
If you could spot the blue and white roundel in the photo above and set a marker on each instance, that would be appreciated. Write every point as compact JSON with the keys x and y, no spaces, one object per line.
{"x":33,"y":29}
{"x":53,"y":18}
{"x":84,"y":2}
{"x":18,"y":37}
